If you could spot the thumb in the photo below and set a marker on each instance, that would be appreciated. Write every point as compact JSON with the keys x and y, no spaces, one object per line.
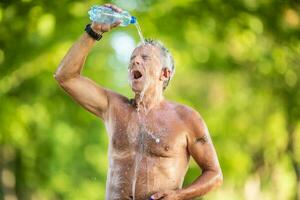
{"x":157,"y":195}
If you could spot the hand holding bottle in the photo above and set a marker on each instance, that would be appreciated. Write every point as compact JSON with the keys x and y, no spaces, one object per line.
{"x":99,"y":27}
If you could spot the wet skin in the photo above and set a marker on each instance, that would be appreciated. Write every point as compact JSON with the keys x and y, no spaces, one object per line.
{"x":161,"y":140}
{"x":156,"y":141}
{"x":148,"y":150}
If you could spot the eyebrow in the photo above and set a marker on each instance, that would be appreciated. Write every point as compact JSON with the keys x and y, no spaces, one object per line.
{"x":144,"y":55}
{"x":132,"y":57}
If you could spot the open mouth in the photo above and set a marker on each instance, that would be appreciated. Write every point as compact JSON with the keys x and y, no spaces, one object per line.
{"x":137,"y":74}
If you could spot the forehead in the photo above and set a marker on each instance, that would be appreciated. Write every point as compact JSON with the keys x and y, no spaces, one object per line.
{"x":147,"y":49}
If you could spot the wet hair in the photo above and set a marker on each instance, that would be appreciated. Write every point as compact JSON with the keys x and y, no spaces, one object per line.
{"x":167,"y":58}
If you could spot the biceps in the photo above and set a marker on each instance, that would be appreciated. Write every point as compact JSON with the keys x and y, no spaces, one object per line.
{"x":88,"y":94}
{"x":204,"y":154}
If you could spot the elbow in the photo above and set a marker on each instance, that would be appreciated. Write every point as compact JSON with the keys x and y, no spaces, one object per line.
{"x":59,"y":78}
{"x":218,"y":179}
{"x":60,"y":75}
{"x":55,"y":76}
{"x":63,"y":80}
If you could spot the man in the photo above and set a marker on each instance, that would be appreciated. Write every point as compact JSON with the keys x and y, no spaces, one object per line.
{"x":150,"y":139}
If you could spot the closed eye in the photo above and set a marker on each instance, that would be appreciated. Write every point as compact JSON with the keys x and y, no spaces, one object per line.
{"x":145,"y":57}
{"x":132,"y":57}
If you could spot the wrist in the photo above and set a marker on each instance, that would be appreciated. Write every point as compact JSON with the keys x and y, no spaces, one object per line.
{"x":87,"y":39}
{"x":96,"y":29}
{"x":95,"y":35}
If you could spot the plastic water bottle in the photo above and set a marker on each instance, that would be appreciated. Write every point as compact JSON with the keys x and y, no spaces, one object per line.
{"x":105,"y":15}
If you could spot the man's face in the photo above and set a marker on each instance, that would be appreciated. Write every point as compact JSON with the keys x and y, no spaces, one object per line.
{"x":145,"y":68}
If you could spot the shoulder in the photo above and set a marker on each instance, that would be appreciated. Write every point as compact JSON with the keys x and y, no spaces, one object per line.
{"x":185,"y":113}
{"x":118,"y":98}
{"x":191,"y":118}
{"x":118,"y":102}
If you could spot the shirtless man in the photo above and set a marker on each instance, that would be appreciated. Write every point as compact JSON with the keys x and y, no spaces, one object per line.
{"x":150,"y":139}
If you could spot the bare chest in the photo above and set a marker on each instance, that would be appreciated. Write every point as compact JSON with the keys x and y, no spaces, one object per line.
{"x":155,"y":135}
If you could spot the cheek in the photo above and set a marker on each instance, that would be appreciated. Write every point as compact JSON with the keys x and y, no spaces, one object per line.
{"x":155,"y":74}
{"x":153,"y":68}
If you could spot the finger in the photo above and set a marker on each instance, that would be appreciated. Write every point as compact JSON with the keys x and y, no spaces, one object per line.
{"x":107,"y":27}
{"x":107,"y":5}
{"x":158,"y":195}
{"x":115,"y":8}
{"x":117,"y":23}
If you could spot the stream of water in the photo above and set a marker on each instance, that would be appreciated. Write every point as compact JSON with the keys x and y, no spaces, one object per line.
{"x":139,"y":32}
{"x":143,"y":132}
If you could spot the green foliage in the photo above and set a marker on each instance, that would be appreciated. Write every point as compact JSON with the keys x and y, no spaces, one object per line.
{"x":237,"y":63}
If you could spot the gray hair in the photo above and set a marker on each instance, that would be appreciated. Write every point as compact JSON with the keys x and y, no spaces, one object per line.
{"x":167,"y":58}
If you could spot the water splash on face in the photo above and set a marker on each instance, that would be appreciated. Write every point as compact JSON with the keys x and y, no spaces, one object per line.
{"x":144,"y":133}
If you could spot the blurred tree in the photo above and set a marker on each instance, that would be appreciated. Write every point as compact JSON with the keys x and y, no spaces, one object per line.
{"x":237,"y":63}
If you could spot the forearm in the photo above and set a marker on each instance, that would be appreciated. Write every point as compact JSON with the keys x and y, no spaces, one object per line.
{"x":202,"y":185}
{"x":73,"y":62}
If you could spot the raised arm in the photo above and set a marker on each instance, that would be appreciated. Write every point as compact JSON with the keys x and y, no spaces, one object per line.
{"x":86,"y":92}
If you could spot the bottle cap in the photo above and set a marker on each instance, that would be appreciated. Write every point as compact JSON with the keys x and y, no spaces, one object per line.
{"x":133,"y":20}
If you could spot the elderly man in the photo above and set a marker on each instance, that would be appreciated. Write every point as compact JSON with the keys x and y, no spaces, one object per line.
{"x":150,"y":138}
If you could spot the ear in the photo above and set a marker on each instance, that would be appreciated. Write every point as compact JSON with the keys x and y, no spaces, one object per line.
{"x":165,"y":74}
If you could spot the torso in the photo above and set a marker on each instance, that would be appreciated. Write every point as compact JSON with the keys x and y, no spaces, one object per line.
{"x":147,"y":153}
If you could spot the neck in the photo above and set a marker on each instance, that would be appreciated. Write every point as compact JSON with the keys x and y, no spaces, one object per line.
{"x":150,"y":99}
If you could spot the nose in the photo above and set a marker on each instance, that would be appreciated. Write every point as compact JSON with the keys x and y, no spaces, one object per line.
{"x":136,"y":60}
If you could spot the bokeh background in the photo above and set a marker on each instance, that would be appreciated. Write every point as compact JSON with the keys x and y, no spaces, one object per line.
{"x":237,"y":63}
